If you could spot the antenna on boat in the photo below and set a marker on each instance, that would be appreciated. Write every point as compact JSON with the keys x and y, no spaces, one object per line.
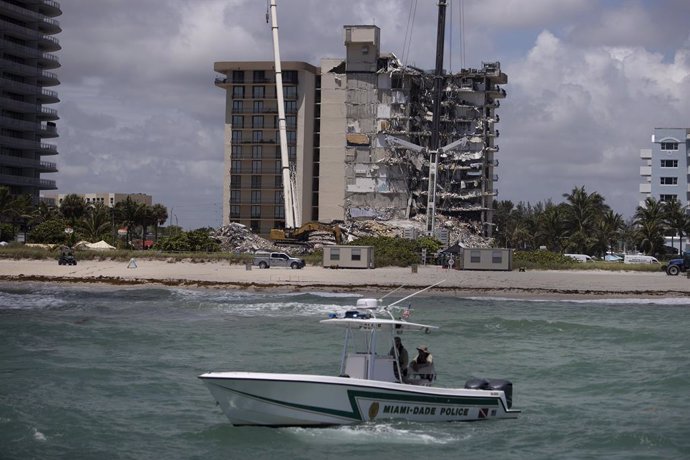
{"x":415,"y":293}
{"x":391,"y":292}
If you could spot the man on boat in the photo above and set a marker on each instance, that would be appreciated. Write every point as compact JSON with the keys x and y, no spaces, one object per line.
{"x":399,"y":351}
{"x":423,"y":362}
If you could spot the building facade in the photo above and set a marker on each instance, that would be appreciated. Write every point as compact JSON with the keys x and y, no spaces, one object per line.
{"x":346,"y":112}
{"x":253,"y":184}
{"x":665,"y":170}
{"x":108,"y":199}
{"x":26,"y":60}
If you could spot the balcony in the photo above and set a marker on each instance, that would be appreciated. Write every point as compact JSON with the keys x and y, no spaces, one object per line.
{"x":48,"y":149}
{"x":43,"y":184}
{"x":645,"y":170}
{"x":46,"y":113}
{"x":48,"y":78}
{"x":48,"y":96}
{"x":19,"y":162}
{"x":646,"y":154}
{"x":645,"y":188}
{"x":19,"y":143}
{"x":19,"y":106}
{"x":50,"y":8}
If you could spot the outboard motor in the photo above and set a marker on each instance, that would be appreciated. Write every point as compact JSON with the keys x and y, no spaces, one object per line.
{"x":506,"y":386}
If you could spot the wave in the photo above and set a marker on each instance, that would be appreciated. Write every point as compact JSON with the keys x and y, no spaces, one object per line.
{"x":600,"y":301}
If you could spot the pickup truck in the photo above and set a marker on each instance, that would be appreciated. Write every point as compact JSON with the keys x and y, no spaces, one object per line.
{"x":276,"y":259}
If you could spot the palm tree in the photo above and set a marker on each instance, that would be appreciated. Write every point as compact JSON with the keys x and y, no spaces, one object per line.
{"x":582,"y":211}
{"x":649,"y":219}
{"x":95,"y":225}
{"x":160,"y":213}
{"x":676,"y":218}
{"x":551,"y":230}
{"x":127,"y":213}
{"x":72,"y":208}
{"x":611,"y":227}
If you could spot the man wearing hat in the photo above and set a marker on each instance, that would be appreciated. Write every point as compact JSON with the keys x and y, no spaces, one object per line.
{"x":422,"y":361}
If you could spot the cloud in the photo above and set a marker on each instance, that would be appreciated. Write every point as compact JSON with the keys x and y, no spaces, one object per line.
{"x":579,"y":115}
{"x":589,"y":80}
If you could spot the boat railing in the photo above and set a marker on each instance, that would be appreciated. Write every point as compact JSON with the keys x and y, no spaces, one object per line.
{"x":423,"y":375}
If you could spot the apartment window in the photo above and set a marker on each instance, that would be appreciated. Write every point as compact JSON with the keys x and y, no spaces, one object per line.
{"x":278,"y":182}
{"x":258,"y":92}
{"x":258,"y":106}
{"x":235,"y":212}
{"x":668,"y":198}
{"x":292,"y":137}
{"x":290,"y":92}
{"x":258,"y":121}
{"x":259,"y":76}
{"x":278,"y":197}
{"x":356,"y":254}
{"x":256,"y":196}
{"x":256,"y":181}
{"x":236,"y":136}
{"x":279,"y":212}
{"x":236,"y":151}
{"x":256,"y":166}
{"x":292,"y":153}
{"x":475,"y":257}
{"x":238,"y":92}
{"x":235,"y":196}
{"x":236,"y":166}
{"x":256,"y":211}
{"x":335,"y":253}
{"x":290,"y":76}
{"x":238,"y":121}
{"x":235,"y":181}
{"x":256,"y":151}
{"x":238,"y":76}
{"x":669,"y":181}
{"x":290,"y":106}
{"x":669,"y":146}
{"x":237,"y":106}
{"x":669,"y":163}
{"x":257,"y":136}
{"x":291,"y":121}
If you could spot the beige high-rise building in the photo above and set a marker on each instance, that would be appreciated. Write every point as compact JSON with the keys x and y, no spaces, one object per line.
{"x":340,"y":117}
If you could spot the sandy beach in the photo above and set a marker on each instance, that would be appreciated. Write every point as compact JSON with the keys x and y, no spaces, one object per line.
{"x":531,"y":283}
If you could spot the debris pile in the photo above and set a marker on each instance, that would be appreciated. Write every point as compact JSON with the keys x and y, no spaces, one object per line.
{"x":240,"y":239}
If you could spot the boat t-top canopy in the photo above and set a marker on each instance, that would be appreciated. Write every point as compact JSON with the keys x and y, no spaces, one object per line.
{"x":378,"y":323}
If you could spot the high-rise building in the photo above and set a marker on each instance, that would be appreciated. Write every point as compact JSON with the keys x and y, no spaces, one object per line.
{"x":252,"y":186}
{"x":346,"y":166}
{"x":665,"y":170}
{"x":26,"y":60}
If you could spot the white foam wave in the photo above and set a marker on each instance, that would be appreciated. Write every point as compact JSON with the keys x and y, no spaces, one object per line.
{"x":283,"y":308}
{"x":375,"y":433}
{"x":34,"y":301}
{"x":38,"y":436}
{"x":602,"y":301}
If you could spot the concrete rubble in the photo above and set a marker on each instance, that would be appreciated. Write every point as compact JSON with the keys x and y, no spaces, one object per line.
{"x":238,"y":238}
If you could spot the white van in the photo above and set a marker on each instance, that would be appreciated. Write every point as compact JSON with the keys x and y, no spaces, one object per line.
{"x":639,"y":259}
{"x":580,"y":257}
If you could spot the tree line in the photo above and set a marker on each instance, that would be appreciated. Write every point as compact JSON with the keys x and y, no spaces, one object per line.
{"x":44,"y":223}
{"x":585,"y":224}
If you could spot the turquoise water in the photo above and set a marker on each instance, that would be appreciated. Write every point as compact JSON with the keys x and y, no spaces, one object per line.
{"x":106,"y":372}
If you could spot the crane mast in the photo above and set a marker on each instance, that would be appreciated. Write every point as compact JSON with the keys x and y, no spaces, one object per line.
{"x":292,"y":217}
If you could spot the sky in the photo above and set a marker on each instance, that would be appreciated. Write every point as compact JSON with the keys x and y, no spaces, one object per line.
{"x":588,"y":81}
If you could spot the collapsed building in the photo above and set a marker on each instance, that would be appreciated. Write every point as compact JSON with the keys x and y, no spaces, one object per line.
{"x":341,"y":118}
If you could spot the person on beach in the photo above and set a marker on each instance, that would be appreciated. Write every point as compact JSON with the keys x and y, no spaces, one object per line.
{"x":403,"y":357}
{"x":423,"y":361}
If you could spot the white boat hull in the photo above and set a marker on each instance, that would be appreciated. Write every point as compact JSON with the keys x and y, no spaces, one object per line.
{"x":252,"y":398}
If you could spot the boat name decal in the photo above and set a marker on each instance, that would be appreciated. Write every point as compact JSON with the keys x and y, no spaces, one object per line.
{"x":426,"y":410}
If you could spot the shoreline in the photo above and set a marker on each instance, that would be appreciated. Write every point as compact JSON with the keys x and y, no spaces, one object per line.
{"x":538,"y":284}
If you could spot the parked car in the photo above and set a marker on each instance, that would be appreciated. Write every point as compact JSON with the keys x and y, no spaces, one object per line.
{"x":580,"y":257}
{"x":264,"y":259}
{"x":639,"y":259}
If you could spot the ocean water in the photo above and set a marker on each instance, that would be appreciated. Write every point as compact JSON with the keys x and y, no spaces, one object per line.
{"x":111,"y":373}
